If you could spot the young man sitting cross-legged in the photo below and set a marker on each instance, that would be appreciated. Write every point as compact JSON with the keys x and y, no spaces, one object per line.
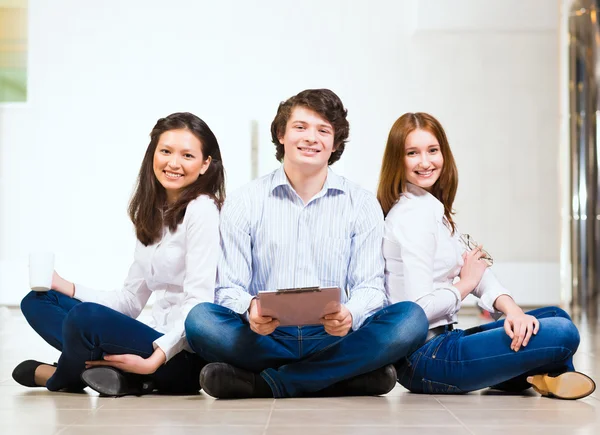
{"x":303,"y":225}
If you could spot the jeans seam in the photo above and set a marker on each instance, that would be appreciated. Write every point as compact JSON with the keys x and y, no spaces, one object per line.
{"x":272,"y":384}
{"x":328,"y":347}
{"x":431,"y":382}
{"x":434,"y":354}
{"x":570,"y":353}
{"x":412,"y":371}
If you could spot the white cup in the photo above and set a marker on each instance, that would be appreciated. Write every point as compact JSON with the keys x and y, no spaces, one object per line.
{"x":41,"y":269}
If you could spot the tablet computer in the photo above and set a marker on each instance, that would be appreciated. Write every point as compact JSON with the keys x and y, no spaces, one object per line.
{"x":299,"y":306}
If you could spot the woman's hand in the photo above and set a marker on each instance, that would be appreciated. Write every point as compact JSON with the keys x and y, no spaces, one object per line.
{"x":63,"y":286}
{"x":517,"y":325}
{"x":132,"y":363}
{"x":473,"y":269}
{"x":520,"y":326}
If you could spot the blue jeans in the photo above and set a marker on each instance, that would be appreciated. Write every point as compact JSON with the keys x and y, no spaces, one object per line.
{"x":460,"y":361}
{"x":85,"y":331}
{"x":298,"y":360}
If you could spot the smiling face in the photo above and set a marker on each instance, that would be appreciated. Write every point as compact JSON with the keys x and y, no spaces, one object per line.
{"x":178,"y":161}
{"x":423,"y":159}
{"x":308,"y":140}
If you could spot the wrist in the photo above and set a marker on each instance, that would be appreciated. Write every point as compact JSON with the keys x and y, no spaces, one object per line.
{"x":465,"y":287}
{"x":507,"y":305}
{"x":66,"y":287}
{"x":252,"y":306}
{"x":157,"y":359}
{"x":513,"y":311}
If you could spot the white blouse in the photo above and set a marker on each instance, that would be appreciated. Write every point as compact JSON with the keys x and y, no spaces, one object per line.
{"x":423,"y":258}
{"x":180,"y":269}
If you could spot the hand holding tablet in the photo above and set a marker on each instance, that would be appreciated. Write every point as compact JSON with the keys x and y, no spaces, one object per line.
{"x":299,"y":306}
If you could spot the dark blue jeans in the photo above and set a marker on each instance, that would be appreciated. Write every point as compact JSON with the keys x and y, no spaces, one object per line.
{"x":299,"y":360}
{"x":460,"y":361}
{"x":85,"y":331}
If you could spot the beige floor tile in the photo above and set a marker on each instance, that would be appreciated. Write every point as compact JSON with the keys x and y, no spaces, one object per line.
{"x":162,"y":430}
{"x":365,"y":417}
{"x":136,"y":417}
{"x":201,"y":402}
{"x":16,"y":389}
{"x":385,"y":403}
{"x":361,"y":430}
{"x":539,"y":430}
{"x":510,"y":402}
{"x":585,"y":416}
{"x":49,"y":402}
{"x":44,"y":416}
{"x":25,"y":429}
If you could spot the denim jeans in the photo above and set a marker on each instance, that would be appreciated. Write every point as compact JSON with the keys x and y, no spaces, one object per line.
{"x":299,"y":360}
{"x":85,"y":331}
{"x":460,"y":361}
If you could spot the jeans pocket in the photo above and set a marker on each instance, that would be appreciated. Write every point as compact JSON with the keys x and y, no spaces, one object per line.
{"x":433,"y":387}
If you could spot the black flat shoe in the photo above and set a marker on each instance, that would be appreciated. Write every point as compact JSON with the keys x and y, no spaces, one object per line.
{"x":225,"y":381}
{"x":109,"y":381}
{"x":375,"y":383}
{"x":24,"y":373}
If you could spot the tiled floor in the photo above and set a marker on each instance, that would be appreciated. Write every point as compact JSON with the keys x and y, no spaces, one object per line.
{"x":40,"y":412}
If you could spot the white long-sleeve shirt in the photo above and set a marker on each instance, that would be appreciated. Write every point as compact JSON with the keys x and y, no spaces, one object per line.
{"x":180,"y":269}
{"x":423,"y":258}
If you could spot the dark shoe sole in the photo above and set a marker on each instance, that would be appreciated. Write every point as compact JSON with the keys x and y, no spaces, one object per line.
{"x":106,"y":381}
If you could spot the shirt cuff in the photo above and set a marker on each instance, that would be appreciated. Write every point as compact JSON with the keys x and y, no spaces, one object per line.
{"x":456,"y":294}
{"x":171,"y":344}
{"x":358,"y":313}
{"x":84,"y":293}
{"x":487,"y":300}
{"x":242,"y":305}
{"x":236,"y":300}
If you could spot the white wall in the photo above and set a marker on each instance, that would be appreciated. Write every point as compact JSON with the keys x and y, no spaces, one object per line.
{"x":101,"y":74}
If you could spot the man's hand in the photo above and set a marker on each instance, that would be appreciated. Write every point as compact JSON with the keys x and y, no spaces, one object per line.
{"x":132,"y":363}
{"x":259,"y":324}
{"x":339,"y":323}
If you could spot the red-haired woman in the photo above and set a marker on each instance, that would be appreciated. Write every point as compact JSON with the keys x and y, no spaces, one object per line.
{"x":424,"y":254}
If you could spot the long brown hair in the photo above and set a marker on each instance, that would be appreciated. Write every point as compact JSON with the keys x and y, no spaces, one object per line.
{"x":392,"y":179}
{"x":148,"y":208}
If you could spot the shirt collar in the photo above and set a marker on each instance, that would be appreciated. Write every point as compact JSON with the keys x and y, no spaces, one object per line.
{"x":333,"y":181}
{"x":424,"y":195}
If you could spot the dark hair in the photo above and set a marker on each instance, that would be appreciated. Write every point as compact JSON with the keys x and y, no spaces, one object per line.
{"x":322,"y":101}
{"x":148,"y":208}
{"x":392,"y":179}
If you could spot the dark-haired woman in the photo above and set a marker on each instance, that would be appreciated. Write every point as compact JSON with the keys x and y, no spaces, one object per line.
{"x":175,"y":212}
{"x":423,"y":256}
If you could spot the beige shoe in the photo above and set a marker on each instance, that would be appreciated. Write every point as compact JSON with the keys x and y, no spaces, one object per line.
{"x":568,"y":385}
